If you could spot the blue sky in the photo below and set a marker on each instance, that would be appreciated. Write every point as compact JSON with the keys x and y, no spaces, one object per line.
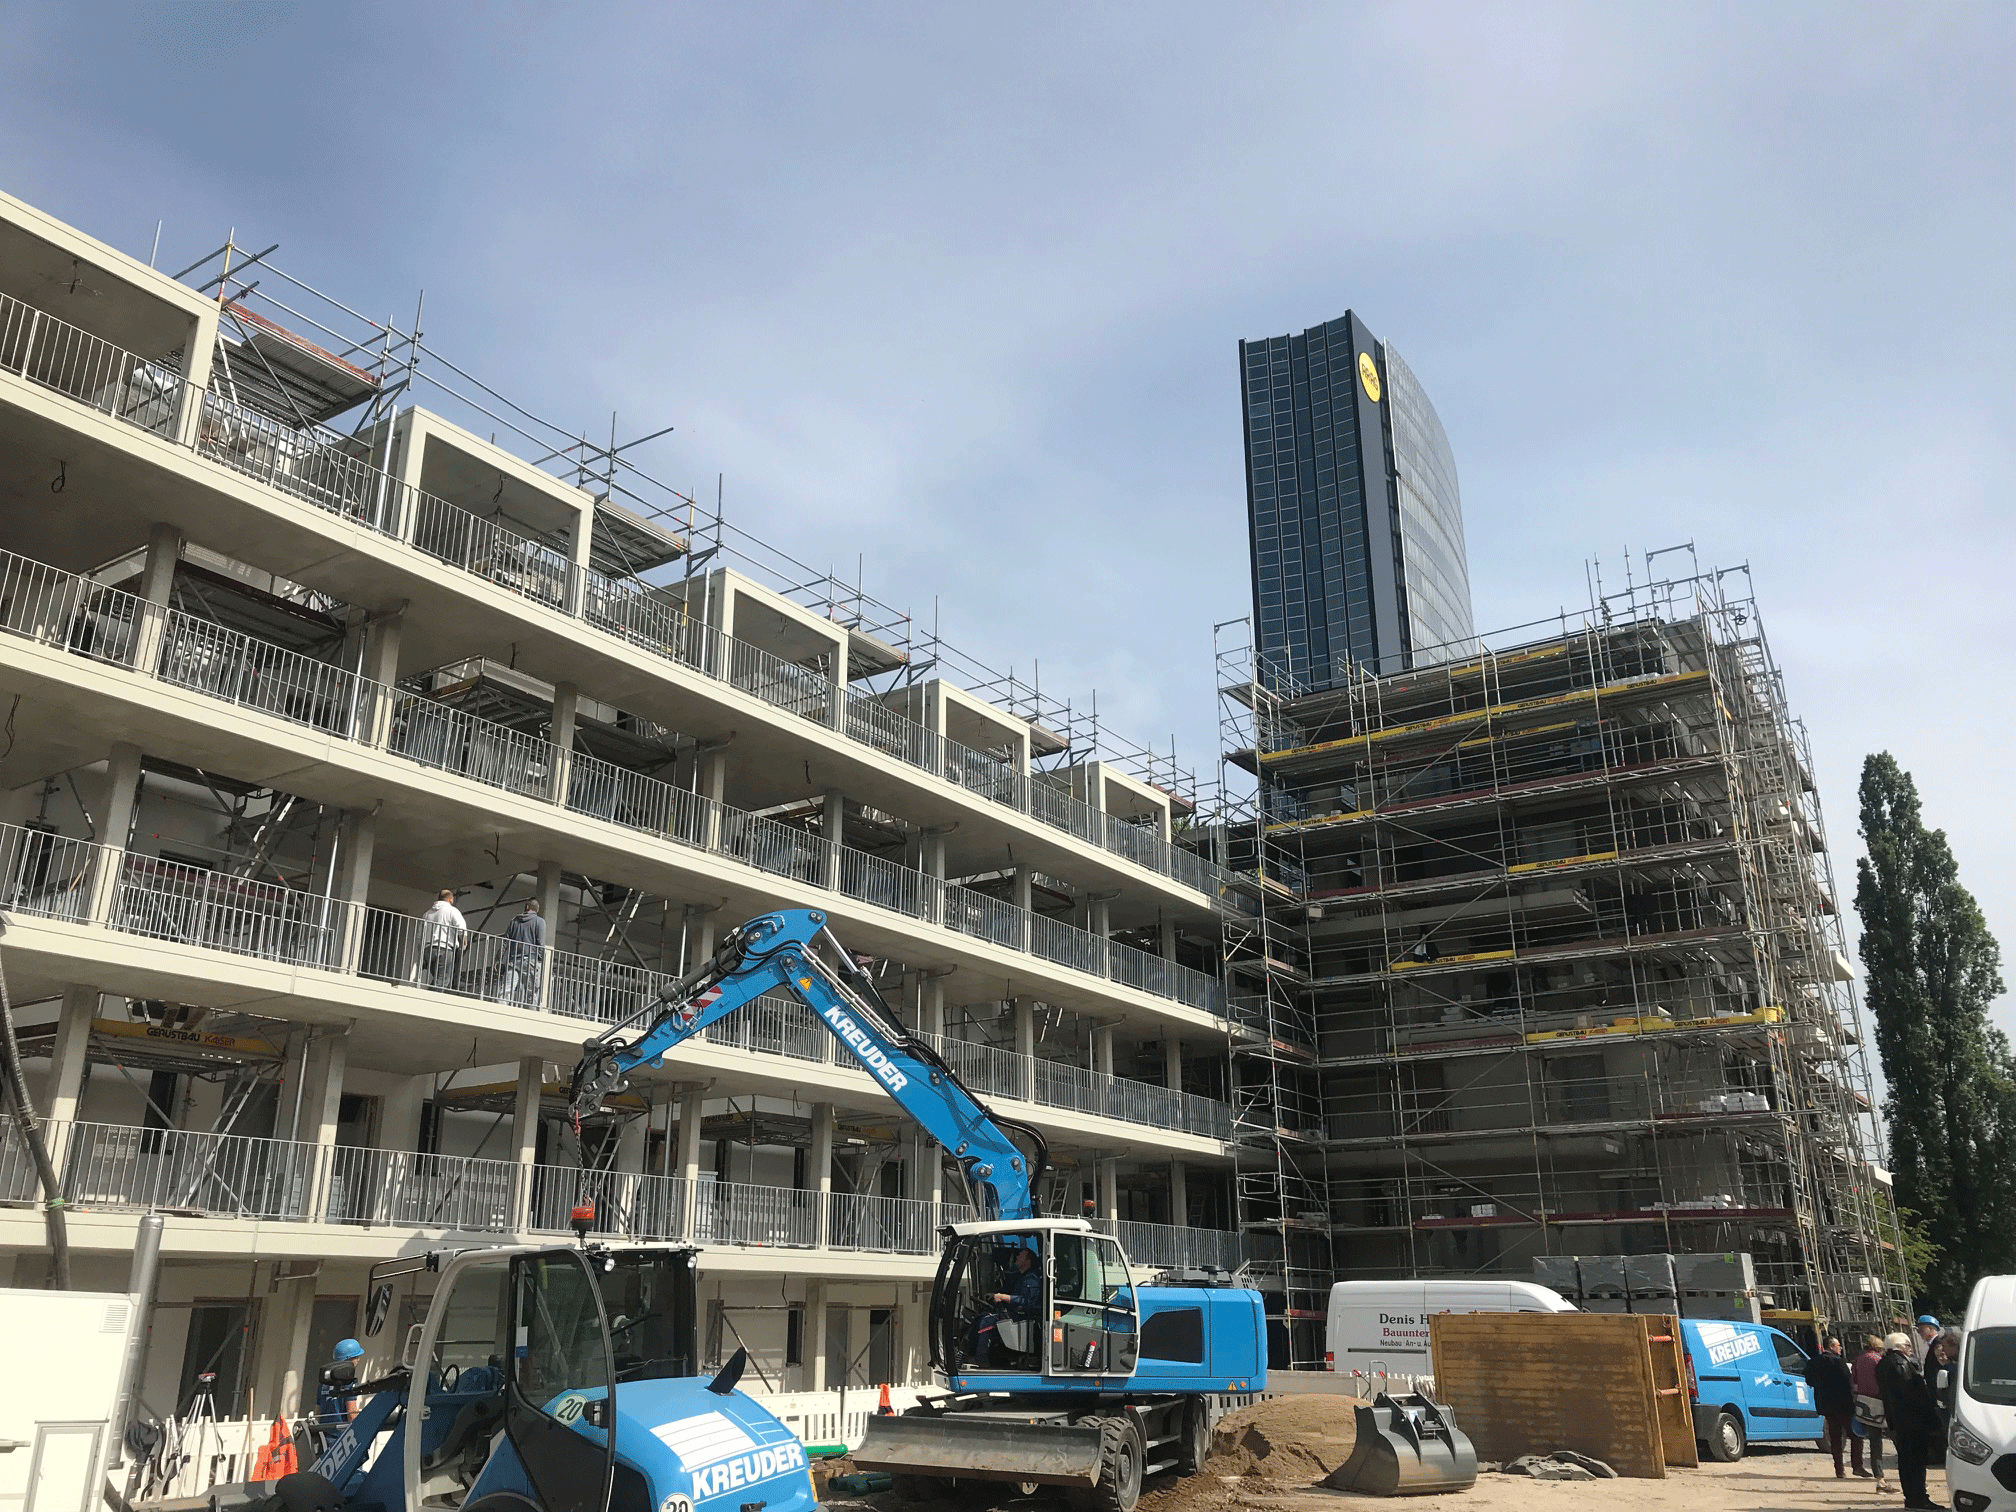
{"x":958,"y":290}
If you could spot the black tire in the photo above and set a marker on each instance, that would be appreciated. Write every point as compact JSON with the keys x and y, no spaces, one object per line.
{"x":1727,"y":1440}
{"x":1195,"y":1445}
{"x":1121,"y":1458}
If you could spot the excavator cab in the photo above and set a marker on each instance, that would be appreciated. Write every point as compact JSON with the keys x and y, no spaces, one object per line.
{"x":1041,"y":1297}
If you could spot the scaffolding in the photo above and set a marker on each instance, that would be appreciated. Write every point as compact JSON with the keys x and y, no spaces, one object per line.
{"x":1550,"y":926}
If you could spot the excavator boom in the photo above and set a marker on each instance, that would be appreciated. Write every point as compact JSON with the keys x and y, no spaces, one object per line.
{"x":777,"y":952}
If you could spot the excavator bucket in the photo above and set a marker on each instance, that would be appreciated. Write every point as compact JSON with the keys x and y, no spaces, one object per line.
{"x":984,"y":1446}
{"x":1407,"y":1446}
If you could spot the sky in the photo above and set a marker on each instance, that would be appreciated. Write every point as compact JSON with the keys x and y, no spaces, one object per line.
{"x":955,"y":292}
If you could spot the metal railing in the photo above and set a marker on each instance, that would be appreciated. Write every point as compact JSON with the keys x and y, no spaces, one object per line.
{"x":60,"y":356}
{"x":312,"y":464}
{"x":126,"y":1168}
{"x":405,"y":1189}
{"x":995,"y":1072}
{"x":733,"y":1212}
{"x":1162,"y":1245}
{"x":65,"y":610}
{"x":116,"y":1166}
{"x":884,"y":1225}
{"x":44,"y":874}
{"x":335,"y":473}
{"x":166,"y":900}
{"x":451,"y":534}
{"x":49,"y":875}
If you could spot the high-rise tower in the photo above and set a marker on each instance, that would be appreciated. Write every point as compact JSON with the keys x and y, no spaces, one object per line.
{"x":1355,"y":518}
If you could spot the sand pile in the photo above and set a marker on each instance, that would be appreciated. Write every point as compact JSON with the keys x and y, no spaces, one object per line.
{"x":1294,"y":1441}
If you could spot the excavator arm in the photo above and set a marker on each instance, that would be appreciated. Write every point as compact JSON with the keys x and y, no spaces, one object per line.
{"x":777,"y":952}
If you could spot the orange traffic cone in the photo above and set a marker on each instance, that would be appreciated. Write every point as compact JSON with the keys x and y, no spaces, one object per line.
{"x":276,"y":1456}
{"x":884,"y":1409}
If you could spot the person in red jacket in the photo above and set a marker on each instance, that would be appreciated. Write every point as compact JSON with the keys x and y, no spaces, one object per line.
{"x":1868,"y":1399}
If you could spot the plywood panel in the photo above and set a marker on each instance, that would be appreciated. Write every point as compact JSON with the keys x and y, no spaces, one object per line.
{"x":1669,"y":1384}
{"x":1531,"y":1383}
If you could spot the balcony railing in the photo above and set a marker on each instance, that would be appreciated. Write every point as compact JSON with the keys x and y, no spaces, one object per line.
{"x":337,"y":474}
{"x":47,"y":875}
{"x":63,"y":610}
{"x":123,"y":1168}
{"x":1165,"y":1245}
{"x":1053,"y":1084}
{"x":57,"y":355}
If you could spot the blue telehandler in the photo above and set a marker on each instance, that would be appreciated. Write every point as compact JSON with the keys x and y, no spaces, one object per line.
{"x":1062,"y":1369}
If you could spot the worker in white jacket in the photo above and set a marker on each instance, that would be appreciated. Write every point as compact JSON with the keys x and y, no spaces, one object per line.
{"x":444,"y":935}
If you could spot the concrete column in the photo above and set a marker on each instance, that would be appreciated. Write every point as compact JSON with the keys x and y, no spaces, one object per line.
{"x":115,"y":821}
{"x":356,"y":843}
{"x":1025,"y":1045}
{"x":837,"y":717}
{"x":525,"y":1136}
{"x":321,"y":1105}
{"x":692,"y":1102}
{"x":932,"y":1009}
{"x":68,"y":1060}
{"x":580,"y":539}
{"x":832,"y":829}
{"x":1101,"y":923}
{"x":1172,"y":1063}
{"x":546,"y":888}
{"x":1102,"y":1050}
{"x":1168,"y":939}
{"x":297,"y":1392}
{"x":1024,"y":896}
{"x":566,"y":705}
{"x":157,"y":582}
{"x":819,"y":1171}
{"x":197,"y":351}
{"x":1179,"y":1194}
{"x":381,"y":671}
{"x":399,"y":1113}
{"x":279,"y":1362}
{"x":713,"y":787}
{"x":815,"y":1335}
{"x":931,"y":858}
{"x":1109,"y":1189}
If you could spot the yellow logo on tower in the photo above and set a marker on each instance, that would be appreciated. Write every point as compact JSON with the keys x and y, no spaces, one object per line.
{"x":1368,"y":374}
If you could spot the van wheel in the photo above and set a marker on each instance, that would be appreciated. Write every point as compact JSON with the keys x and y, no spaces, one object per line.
{"x":1727,"y":1443}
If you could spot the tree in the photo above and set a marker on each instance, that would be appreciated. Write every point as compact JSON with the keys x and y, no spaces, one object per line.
{"x":1932,"y":969}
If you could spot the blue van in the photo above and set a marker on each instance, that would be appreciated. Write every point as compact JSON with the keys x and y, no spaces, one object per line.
{"x":1749,"y":1384}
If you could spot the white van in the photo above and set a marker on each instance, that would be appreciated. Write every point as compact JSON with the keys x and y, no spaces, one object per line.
{"x":1981,"y":1439}
{"x":1382,"y":1326}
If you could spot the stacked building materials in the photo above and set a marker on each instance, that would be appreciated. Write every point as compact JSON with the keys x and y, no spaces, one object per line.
{"x":1720,"y":1286}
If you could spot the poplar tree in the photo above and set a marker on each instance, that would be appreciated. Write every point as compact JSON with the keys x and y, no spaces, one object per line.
{"x":1931,"y":970}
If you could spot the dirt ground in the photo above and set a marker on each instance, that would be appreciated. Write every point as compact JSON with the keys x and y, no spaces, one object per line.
{"x":1270,"y":1458}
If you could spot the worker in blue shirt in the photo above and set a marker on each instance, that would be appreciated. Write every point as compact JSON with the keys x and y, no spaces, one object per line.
{"x":1023,"y":1300}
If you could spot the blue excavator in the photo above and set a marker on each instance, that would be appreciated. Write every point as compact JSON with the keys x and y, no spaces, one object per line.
{"x":565,"y":1379}
{"x":1061,"y":1368}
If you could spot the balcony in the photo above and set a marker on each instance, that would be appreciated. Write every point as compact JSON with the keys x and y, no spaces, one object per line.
{"x":120,"y":1168}
{"x":106,"y":625}
{"x":333,"y":473}
{"x":48,"y":876}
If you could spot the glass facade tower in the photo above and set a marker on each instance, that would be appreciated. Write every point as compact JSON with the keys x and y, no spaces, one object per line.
{"x":1356,"y":525}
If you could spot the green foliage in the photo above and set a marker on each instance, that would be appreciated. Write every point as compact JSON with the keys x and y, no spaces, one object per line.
{"x":1931,"y":970}
{"x":1920,"y":1250}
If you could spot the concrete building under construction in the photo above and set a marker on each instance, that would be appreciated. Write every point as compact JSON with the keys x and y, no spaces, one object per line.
{"x":285,"y":653}
{"x":1549,"y":962}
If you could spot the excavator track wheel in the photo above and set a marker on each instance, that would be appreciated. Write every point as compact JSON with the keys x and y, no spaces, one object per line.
{"x":1120,"y":1461}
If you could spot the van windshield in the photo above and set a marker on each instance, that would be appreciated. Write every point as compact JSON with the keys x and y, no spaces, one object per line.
{"x":1991,"y":1366}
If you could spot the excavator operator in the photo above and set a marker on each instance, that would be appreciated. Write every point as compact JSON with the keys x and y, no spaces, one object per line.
{"x":1022,"y":1301}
